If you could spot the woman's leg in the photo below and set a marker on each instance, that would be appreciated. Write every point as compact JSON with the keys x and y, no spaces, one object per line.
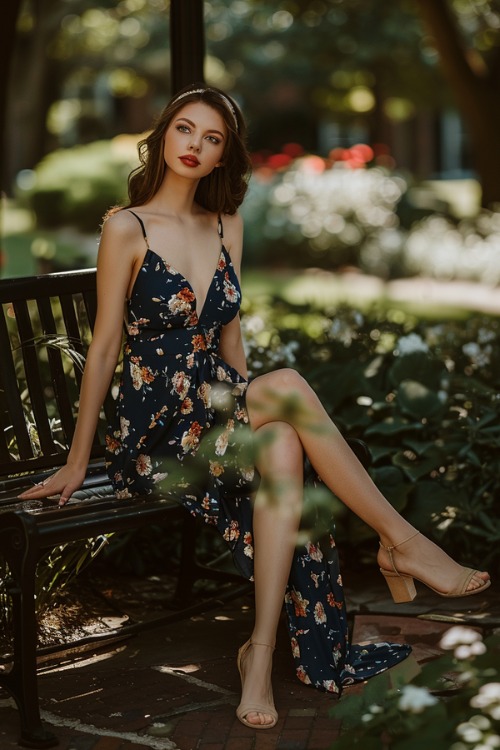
{"x":285,"y":396}
{"x":276,"y":518}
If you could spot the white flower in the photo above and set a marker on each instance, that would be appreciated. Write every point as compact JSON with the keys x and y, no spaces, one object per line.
{"x":465,"y":652}
{"x":341,"y":331}
{"x":253,"y":324}
{"x":458,"y":636}
{"x":484,"y":335}
{"x":479,"y":357}
{"x":469,"y":732}
{"x":411,"y":343}
{"x":488,"y":695}
{"x":414,"y":699}
{"x":472,"y":349}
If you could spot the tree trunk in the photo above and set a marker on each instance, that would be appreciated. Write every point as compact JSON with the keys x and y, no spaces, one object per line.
{"x":31,"y":90}
{"x":7,"y":38}
{"x":187,"y":43}
{"x":477,"y":92}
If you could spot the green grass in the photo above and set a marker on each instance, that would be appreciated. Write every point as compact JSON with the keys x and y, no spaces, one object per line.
{"x":328,"y":290}
{"x":26,"y":252}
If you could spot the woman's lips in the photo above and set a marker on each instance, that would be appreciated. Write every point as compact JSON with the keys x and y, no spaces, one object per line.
{"x":189,"y":161}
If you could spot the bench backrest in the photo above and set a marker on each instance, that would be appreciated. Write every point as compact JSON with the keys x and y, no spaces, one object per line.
{"x":46,"y":324}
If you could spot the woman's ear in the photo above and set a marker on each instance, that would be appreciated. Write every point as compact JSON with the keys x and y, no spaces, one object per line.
{"x":220,"y":164}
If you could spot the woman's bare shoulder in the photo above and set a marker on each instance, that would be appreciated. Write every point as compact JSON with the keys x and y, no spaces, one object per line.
{"x":233,"y":222}
{"x":121,"y":225}
{"x":233,"y":231}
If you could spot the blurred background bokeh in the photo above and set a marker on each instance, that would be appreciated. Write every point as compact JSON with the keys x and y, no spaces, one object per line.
{"x":372,"y":223}
{"x":373,"y":128}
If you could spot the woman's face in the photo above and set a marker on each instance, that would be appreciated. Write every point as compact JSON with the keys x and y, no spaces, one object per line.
{"x":195,"y":140}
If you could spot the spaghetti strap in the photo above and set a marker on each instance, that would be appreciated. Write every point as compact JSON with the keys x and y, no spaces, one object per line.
{"x":144,"y":234}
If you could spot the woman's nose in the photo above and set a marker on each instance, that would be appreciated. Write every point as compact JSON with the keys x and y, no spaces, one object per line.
{"x":195,"y":144}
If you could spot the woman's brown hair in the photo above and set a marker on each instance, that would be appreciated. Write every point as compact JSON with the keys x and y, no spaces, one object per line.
{"x":223,"y":190}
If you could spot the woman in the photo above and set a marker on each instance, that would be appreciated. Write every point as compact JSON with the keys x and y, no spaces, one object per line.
{"x":173,"y":256}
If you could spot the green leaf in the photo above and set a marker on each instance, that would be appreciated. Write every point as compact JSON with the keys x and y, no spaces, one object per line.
{"x":420,"y":447}
{"x":418,"y":400}
{"x":349,"y":708}
{"x":428,"y":501}
{"x":393,"y":426}
{"x":419,"y":367}
{"x":415,"y":469}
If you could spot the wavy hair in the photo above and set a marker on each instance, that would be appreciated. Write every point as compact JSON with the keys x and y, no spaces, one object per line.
{"x":223,"y":190}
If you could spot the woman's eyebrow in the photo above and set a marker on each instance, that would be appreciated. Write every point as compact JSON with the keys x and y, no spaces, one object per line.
{"x":190,"y":122}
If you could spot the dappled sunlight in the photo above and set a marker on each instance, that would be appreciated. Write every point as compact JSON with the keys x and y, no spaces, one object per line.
{"x":178,"y":669}
{"x":77,"y":663}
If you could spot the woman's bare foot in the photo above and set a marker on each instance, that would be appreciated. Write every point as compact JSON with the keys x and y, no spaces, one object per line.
{"x":255,"y":665}
{"x":420,"y":558}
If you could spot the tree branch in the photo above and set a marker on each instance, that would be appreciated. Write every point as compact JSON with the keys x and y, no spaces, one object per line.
{"x":462,"y":66}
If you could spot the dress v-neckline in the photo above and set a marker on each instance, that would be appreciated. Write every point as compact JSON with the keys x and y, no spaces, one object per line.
{"x":176,"y":272}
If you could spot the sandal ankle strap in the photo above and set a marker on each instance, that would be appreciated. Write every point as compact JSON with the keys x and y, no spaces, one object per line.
{"x":267,"y":645}
{"x":394,"y":546}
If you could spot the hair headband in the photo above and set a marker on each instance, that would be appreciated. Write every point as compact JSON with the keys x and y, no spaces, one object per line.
{"x":226,"y":101}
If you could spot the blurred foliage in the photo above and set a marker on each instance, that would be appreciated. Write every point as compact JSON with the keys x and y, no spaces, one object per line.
{"x":344,"y":211}
{"x":277,"y":57}
{"x":399,"y":716}
{"x":423,"y":396}
{"x":348,"y":209}
{"x":76,"y":186}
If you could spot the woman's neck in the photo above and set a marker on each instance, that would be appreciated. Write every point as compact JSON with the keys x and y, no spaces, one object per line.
{"x":175,"y":196}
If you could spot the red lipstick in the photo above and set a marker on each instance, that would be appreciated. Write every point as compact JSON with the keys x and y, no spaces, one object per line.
{"x":189,"y":160}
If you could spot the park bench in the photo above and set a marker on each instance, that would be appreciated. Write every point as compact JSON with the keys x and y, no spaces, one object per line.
{"x":46,"y":324}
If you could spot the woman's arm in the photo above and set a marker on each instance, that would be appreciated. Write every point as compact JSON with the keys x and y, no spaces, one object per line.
{"x":231,"y":347}
{"x":231,"y":342}
{"x":115,"y":263}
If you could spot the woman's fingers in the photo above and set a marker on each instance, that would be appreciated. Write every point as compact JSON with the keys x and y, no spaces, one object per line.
{"x":66,"y":493}
{"x":42,"y":489}
{"x":64,"y":482}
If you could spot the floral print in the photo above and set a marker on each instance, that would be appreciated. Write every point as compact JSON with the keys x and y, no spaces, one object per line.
{"x":181,"y":430}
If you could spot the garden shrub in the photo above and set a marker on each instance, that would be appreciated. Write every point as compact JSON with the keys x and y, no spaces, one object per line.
{"x":76,"y":186}
{"x":425,"y":397}
{"x":330,"y":213}
{"x":412,"y":716}
{"x":300,"y":211}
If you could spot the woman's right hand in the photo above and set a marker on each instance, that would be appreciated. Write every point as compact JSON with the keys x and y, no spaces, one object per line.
{"x":63,"y":483}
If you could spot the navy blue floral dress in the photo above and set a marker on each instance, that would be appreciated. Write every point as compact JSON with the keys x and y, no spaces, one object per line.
{"x":182,"y":430}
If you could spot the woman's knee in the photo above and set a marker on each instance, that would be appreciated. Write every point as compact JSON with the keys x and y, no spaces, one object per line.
{"x":279,"y":433}
{"x":279,"y":448}
{"x":281,"y":383}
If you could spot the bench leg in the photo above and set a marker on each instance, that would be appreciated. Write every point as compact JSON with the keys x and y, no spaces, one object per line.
{"x":191,"y":570}
{"x":188,"y":566}
{"x":21,"y":681}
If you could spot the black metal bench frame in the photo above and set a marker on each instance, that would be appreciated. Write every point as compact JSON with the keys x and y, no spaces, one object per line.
{"x":38,"y":393}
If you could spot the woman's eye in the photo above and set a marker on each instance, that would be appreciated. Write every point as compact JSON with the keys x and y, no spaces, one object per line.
{"x":213,"y":139}
{"x":183,"y":128}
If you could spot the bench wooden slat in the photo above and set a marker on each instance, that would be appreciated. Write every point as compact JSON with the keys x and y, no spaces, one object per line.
{"x":73,"y":330}
{"x":50,"y":285}
{"x":33,"y":376}
{"x":10,"y":387}
{"x":57,"y":374}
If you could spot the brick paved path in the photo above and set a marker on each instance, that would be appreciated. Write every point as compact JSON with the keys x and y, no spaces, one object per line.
{"x":176,"y":687}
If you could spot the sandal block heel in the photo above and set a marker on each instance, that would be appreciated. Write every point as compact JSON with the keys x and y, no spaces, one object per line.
{"x":402,"y":587}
